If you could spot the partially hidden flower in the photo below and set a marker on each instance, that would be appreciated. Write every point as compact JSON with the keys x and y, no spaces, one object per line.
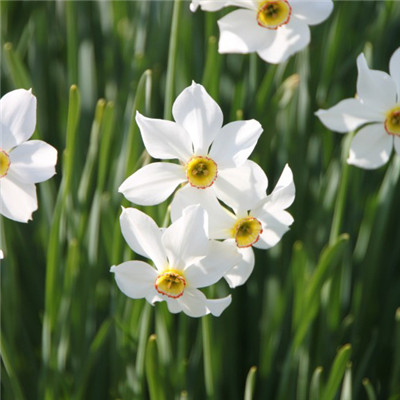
{"x":376,"y":110}
{"x":184,"y":261}
{"x":275,"y":29}
{"x":211,"y":157}
{"x":23,"y":162}
{"x":252,"y":222}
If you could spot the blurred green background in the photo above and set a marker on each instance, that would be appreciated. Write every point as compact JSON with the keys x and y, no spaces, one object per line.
{"x":318,"y":319}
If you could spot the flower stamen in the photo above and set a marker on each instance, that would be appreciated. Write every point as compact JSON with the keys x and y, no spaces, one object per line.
{"x":4,"y":163}
{"x":201,"y":172}
{"x":273,"y":13}
{"x":247,"y":231}
{"x":392,"y":121}
{"x":171,"y":284}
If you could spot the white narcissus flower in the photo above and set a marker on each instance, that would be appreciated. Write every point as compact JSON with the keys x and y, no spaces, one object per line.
{"x":212,"y":157}
{"x":275,"y":29}
{"x":376,"y":109}
{"x":22,"y":163}
{"x":253,"y":222}
{"x":184,"y":259}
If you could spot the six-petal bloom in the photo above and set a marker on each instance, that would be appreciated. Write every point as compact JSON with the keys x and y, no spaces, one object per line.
{"x":184,"y":259}
{"x":212,"y":157}
{"x":275,"y":29}
{"x":254,"y":222}
{"x":23,"y":162}
{"x":376,"y":109}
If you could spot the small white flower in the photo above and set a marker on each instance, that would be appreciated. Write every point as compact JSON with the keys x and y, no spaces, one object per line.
{"x":275,"y":29}
{"x":212,"y":157}
{"x":184,"y":259}
{"x":376,"y":109}
{"x":22,"y":163}
{"x":253,"y":222}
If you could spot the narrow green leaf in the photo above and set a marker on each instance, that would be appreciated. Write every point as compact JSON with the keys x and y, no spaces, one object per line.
{"x":18,"y":72}
{"x":315,"y":386}
{"x":250,"y":384}
{"x":369,"y":389}
{"x":347,"y":385}
{"x":395,"y":378}
{"x":329,"y":257}
{"x":152,"y":365}
{"x":337,"y":372}
{"x":172,"y":58}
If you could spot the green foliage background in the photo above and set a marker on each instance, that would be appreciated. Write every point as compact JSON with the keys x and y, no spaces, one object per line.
{"x":318,"y":319}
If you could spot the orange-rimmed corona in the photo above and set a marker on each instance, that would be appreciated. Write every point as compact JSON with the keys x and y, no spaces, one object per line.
{"x":273,"y":13}
{"x":247,"y":231}
{"x":392,"y":121}
{"x":201,"y":172}
{"x":4,"y":163}
{"x":170,"y":283}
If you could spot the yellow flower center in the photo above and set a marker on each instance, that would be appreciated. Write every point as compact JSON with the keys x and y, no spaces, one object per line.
{"x":171,"y":284}
{"x":247,"y":231}
{"x":4,"y":163}
{"x":392,"y":121}
{"x":273,"y":13}
{"x":201,"y":172}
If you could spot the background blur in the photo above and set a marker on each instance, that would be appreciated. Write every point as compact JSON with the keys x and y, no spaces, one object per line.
{"x":318,"y":319}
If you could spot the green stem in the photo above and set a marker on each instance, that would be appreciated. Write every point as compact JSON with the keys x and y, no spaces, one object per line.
{"x":342,"y":193}
{"x":208,"y":372}
{"x":173,"y":45}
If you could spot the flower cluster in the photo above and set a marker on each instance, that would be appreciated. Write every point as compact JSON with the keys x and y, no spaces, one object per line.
{"x":220,"y":210}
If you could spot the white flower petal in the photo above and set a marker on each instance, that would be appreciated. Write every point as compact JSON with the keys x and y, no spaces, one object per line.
{"x":273,"y":230}
{"x":185,"y":240}
{"x":281,"y":198}
{"x":375,"y":88}
{"x":222,"y":256}
{"x":394,"y":68}
{"x":235,"y":142}
{"x":371,"y":147}
{"x":207,"y":5}
{"x":193,"y":303}
{"x":220,"y":220}
{"x":143,"y":236}
{"x":239,"y":274}
{"x":215,"y":5}
{"x":397,"y":145}
{"x":241,"y":188}
{"x":312,"y":12}
{"x":135,"y":278}
{"x":173,"y":306}
{"x":196,"y":111}
{"x":289,"y":39}
{"x":17,"y":200}
{"x":153,"y":296}
{"x":348,"y":115}
{"x":153,"y":183}
{"x":240,"y":33}
{"x":33,"y":161}
{"x":217,"y":306}
{"x":164,"y":139}
{"x":17,"y":118}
